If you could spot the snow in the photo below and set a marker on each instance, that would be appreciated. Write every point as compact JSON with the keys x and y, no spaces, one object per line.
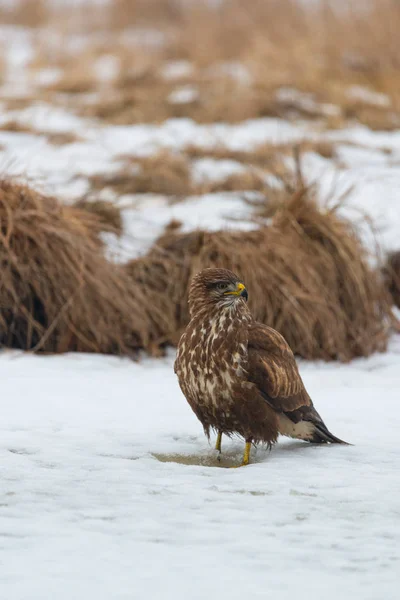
{"x":177,"y":69}
{"x":48,"y":76}
{"x":234,"y":70}
{"x":44,"y":117}
{"x":147,"y":219}
{"x":370,"y":182}
{"x":107,"y":67}
{"x":363,"y":94}
{"x":183,"y":95}
{"x":306,"y":102}
{"x":110,"y":489}
{"x":210,"y":169}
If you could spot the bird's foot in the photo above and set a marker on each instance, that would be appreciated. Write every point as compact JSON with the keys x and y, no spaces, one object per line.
{"x":246,"y":457}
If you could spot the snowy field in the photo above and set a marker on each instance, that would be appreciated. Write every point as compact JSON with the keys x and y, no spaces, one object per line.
{"x":109,"y":489}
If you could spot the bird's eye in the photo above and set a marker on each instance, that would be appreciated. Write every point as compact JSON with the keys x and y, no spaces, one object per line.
{"x":222,"y":286}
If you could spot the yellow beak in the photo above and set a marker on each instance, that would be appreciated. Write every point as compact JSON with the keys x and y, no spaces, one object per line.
{"x":239,"y":289}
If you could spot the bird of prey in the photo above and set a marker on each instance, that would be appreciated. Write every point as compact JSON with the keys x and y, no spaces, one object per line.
{"x":238,"y":375}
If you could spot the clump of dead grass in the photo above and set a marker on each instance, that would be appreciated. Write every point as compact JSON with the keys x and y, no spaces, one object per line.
{"x":57,"y":291}
{"x":391,"y":273}
{"x":164,"y":275}
{"x":249,"y":180}
{"x":61,"y":138}
{"x":108,"y":214}
{"x":265,"y":155}
{"x":164,"y":173}
{"x":57,"y":138}
{"x":16,"y":127}
{"x":25,"y":13}
{"x":172,"y":174}
{"x":307,"y":273}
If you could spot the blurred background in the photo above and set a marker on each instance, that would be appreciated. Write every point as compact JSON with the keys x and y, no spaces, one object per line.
{"x":157,"y":128}
{"x":207,"y":60}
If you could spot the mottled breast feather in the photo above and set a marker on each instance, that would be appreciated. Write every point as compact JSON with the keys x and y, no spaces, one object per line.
{"x":212,"y":366}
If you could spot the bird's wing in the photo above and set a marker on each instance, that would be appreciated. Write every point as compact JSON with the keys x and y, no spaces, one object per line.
{"x":272,"y":367}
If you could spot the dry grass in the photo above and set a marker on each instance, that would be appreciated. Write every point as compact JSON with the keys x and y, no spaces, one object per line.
{"x":108,"y":214}
{"x":170,"y":173}
{"x":61,"y":138}
{"x":318,"y":51}
{"x":392,"y":276}
{"x":265,"y":155}
{"x":54,"y":137}
{"x":165,"y":173}
{"x":307,"y":271}
{"x":307,"y":274}
{"x":164,"y":275}
{"x":57,"y":292}
{"x":16,"y":127}
{"x":25,"y":13}
{"x":239,"y":182}
{"x":278,"y":58}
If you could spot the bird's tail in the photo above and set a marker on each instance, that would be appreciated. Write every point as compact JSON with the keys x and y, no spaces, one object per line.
{"x":322,"y":435}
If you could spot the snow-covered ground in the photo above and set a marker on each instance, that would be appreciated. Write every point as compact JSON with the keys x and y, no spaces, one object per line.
{"x":109,"y":489}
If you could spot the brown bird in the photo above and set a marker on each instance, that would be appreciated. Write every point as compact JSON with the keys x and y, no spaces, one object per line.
{"x":238,"y":375}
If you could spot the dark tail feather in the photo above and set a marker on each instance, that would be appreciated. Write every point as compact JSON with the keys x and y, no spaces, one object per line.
{"x":322,"y":435}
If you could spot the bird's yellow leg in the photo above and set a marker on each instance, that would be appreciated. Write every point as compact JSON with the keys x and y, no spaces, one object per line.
{"x":218,"y":442}
{"x":246,"y":454}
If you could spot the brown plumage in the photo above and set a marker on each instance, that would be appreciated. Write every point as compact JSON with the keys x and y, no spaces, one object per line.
{"x":238,"y":375}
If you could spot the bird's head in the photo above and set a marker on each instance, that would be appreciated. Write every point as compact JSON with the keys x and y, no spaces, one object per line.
{"x":215,"y":287}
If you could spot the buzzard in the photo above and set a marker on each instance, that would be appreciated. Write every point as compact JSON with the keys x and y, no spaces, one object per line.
{"x":238,"y":375}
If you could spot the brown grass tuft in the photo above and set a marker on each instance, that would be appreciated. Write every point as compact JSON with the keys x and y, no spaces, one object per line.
{"x":307,"y":273}
{"x":25,"y":13}
{"x":391,"y":273}
{"x":164,"y":276}
{"x":16,"y":127}
{"x":54,"y":137}
{"x":108,"y":214}
{"x":170,"y":173}
{"x":57,"y":291}
{"x":61,"y":138}
{"x":264,"y":169}
{"x":239,"y":182}
{"x":266,"y":155}
{"x":163,"y":173}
